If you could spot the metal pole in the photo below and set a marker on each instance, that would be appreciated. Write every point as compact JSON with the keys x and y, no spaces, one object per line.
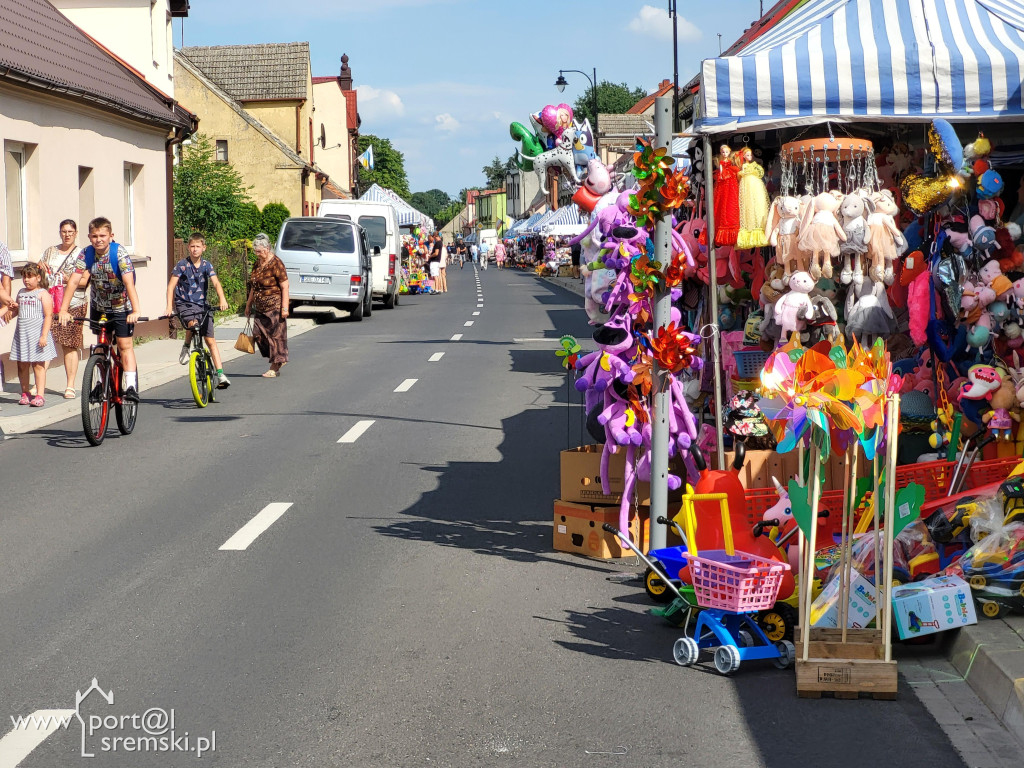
{"x":674,"y":10}
{"x":661,"y":396}
{"x":716,"y":347}
{"x":595,"y":113}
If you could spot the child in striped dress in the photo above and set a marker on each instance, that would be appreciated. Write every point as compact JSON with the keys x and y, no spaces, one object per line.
{"x":33,"y":346}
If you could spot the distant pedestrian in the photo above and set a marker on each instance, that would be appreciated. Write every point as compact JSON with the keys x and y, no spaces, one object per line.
{"x":443,"y":272}
{"x":267,"y":304}
{"x":576,"y":252}
{"x":33,"y":346}
{"x":473,"y":252}
{"x":499,"y":254}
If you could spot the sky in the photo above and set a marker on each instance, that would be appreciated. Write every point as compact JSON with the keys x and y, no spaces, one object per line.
{"x":442,"y":79}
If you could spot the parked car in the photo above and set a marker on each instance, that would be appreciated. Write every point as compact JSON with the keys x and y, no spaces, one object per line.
{"x":329,"y":263}
{"x":380,"y":221}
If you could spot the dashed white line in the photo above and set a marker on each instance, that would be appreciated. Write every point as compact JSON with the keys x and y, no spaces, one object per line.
{"x":435,"y":357}
{"x":469,"y":323}
{"x":19,"y":743}
{"x":406,"y":385}
{"x":479,"y":305}
{"x":475,"y":314}
{"x":357,"y":431}
{"x":457,"y":337}
{"x":249,"y":532}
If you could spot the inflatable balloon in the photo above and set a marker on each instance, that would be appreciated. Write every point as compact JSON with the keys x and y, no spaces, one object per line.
{"x":530,"y":144}
{"x":583,"y":146}
{"x":556,"y":119}
{"x":559,"y":157}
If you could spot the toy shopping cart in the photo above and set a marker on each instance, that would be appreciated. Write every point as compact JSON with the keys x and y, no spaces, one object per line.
{"x":731,"y":587}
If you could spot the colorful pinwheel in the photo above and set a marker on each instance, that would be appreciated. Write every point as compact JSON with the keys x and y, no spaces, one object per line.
{"x":570,"y":351}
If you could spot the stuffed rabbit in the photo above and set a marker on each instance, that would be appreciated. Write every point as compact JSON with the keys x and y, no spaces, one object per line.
{"x":887,"y":242}
{"x":852,"y":212}
{"x":820,"y":234}
{"x":782,"y":231}
{"x":794,"y":309}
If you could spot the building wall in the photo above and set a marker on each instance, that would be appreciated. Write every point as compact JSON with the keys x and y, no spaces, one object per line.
{"x":278,"y":116}
{"x":63,"y":136}
{"x":331,"y":112}
{"x":139,"y":31}
{"x":251,"y":153}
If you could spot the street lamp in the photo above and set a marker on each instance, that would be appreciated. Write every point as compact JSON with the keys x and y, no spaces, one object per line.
{"x":561,"y":82}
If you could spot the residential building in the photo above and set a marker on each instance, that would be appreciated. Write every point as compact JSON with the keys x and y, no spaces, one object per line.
{"x":645,"y":106}
{"x":138,"y":31}
{"x":491,"y":210}
{"x":255,"y":103}
{"x":336,"y":130}
{"x":83,"y":135}
{"x":522,"y":192}
{"x":617,"y":135}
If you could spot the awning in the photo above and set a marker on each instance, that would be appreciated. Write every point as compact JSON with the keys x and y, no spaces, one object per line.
{"x":407,"y":215}
{"x":872,"y":60}
{"x":527,"y":226}
{"x":538,"y":226}
{"x":515,"y":226}
{"x":566,"y":221}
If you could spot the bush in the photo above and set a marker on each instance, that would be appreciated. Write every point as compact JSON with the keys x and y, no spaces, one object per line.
{"x":247,"y":223}
{"x":231,"y":261}
{"x":273,"y":216}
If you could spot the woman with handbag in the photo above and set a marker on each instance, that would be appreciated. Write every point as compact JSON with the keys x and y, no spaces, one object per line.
{"x":267,"y":305}
{"x":59,"y":263}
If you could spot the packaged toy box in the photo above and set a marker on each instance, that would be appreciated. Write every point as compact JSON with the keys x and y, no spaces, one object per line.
{"x":862,"y":610}
{"x":932,"y":605}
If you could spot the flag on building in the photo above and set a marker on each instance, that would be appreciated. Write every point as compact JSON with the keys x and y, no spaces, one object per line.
{"x":366,"y":159}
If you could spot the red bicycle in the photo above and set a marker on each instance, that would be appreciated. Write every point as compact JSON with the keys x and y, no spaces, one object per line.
{"x":101,"y":385}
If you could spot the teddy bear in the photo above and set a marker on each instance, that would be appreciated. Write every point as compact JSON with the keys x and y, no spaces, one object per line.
{"x":794,"y":309}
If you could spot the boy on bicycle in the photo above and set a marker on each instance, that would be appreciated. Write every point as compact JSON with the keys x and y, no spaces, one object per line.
{"x":186,"y":297}
{"x":108,"y":269}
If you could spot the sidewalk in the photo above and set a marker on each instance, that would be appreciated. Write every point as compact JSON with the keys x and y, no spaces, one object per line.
{"x":572,"y":284}
{"x":158,"y":364}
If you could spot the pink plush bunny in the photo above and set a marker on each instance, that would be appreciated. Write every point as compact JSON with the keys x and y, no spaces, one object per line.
{"x":783,"y":233}
{"x":820,"y":234}
{"x":887,"y":242}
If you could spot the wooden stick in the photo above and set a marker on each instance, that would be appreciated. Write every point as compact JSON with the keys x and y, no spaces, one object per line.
{"x":847,"y":546}
{"x":890,"y":509}
{"x":875,"y":516}
{"x":801,"y":544}
{"x":805,"y":619}
{"x":844,"y":511}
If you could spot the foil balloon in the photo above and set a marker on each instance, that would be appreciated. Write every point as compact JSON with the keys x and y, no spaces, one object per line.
{"x":945,"y":146}
{"x":923,"y":194}
{"x":556,"y":119}
{"x":530,"y":144}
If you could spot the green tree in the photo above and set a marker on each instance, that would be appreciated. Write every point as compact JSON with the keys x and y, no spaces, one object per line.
{"x":494,"y":172}
{"x":448,"y":213}
{"x":247,"y":223}
{"x":271,"y":219}
{"x":612,"y":99}
{"x":430,"y":202}
{"x":389,"y":166}
{"x":208,"y":195}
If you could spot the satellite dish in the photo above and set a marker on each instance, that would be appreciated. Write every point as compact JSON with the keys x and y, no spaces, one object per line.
{"x":323,"y":137}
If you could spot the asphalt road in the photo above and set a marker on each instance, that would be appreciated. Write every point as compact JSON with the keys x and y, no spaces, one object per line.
{"x":407,"y":608}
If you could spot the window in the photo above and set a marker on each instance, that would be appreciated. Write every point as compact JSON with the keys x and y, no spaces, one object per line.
{"x":127,"y":234}
{"x":322,"y":235}
{"x":376,"y":231}
{"x":17,"y":210}
{"x":222,"y":150}
{"x":86,"y":199}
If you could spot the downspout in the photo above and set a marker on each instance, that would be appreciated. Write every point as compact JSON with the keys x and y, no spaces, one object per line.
{"x":179,"y":136}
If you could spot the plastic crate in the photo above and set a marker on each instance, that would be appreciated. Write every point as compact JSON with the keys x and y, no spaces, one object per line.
{"x":749,"y":362}
{"x":738,"y":583}
{"x":933,"y":475}
{"x":744,"y":385}
{"x":991,"y":471}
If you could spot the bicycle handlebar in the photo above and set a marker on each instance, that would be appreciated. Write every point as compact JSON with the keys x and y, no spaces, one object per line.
{"x":107,"y":322}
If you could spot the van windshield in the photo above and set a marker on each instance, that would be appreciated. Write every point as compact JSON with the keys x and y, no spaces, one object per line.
{"x":376,"y":231}
{"x":323,"y":236}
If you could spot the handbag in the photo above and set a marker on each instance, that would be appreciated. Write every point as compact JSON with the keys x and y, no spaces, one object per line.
{"x":244,"y":341}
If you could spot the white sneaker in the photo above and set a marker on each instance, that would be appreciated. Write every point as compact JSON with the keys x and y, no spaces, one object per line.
{"x":223,"y":382}
{"x":186,"y":352}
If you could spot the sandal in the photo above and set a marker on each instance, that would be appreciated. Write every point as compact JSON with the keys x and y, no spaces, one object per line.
{"x":270,"y":374}
{"x":24,"y":399}
{"x":70,"y":394}
{"x":38,"y":401}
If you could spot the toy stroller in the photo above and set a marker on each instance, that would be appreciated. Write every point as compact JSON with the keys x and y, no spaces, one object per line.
{"x":731,"y":587}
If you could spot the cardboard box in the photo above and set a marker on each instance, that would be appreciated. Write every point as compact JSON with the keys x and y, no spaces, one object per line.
{"x":581,"y":477}
{"x":933,"y":605}
{"x":577,"y":529}
{"x":863,"y":606}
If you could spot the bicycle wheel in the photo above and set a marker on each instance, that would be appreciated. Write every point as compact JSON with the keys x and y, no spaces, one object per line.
{"x":126,"y":412}
{"x":95,"y":399}
{"x":211,"y":371}
{"x":199,"y":379}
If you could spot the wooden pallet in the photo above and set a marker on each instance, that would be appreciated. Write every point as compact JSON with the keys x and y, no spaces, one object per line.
{"x":845,"y":670}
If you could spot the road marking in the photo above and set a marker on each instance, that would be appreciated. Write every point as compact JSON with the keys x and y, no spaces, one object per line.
{"x":457,"y":337}
{"x":469,"y":323}
{"x":19,"y":743}
{"x":475,"y":314}
{"x":479,"y":305}
{"x":249,"y":532}
{"x":525,"y":341}
{"x":356,"y":432}
{"x":435,"y":357}
{"x":406,"y":385}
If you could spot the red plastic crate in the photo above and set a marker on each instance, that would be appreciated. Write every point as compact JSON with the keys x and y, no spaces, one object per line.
{"x":933,"y":475}
{"x":991,"y":471}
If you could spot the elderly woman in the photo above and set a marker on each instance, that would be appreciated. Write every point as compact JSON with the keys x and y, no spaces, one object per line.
{"x":59,"y":263}
{"x":267,"y":304}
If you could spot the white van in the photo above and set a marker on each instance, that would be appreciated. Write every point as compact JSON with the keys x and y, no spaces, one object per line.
{"x":380,"y":221}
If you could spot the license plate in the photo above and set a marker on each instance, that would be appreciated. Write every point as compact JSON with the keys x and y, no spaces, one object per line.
{"x":314,"y":279}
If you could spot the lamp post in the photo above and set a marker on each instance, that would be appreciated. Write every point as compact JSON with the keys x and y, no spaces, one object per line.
{"x":673,"y":11}
{"x":561,"y":82}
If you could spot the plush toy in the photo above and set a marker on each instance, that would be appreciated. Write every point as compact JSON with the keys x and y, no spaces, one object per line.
{"x":1004,"y":414}
{"x":820,"y":234}
{"x":983,"y":239}
{"x":852,"y":213}
{"x":795,"y":308}
{"x":753,"y":203}
{"x":782,"y":230}
{"x":993,"y":277}
{"x":868,"y":314}
{"x":887,"y":242}
{"x":982,"y":382}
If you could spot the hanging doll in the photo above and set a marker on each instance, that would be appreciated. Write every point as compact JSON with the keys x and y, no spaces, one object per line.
{"x":782,"y":231}
{"x":794,"y":309}
{"x":887,"y":242}
{"x":753,"y":199}
{"x":868,"y":314}
{"x":820,"y":234}
{"x":853,"y":211}
{"x":1004,"y":414}
{"x":727,"y":197}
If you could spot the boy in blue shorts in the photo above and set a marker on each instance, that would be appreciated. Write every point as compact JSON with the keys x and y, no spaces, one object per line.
{"x":186,"y":296}
{"x":108,"y":269}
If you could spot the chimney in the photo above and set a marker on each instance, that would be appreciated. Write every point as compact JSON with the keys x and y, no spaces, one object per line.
{"x":665,"y":84}
{"x":345,"y":78}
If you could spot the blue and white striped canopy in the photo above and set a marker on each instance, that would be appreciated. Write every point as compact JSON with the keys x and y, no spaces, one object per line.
{"x":407,"y":215}
{"x":538,"y":226}
{"x":566,"y":221}
{"x":527,"y":225}
{"x":514,"y":228}
{"x":872,"y":60}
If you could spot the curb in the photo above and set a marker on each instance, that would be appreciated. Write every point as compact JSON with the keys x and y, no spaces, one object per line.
{"x":990,"y":656}
{"x":568,"y":283}
{"x":153,"y":376}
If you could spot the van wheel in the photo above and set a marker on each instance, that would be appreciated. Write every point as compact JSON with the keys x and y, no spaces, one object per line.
{"x":390,"y":300}
{"x":357,"y":313}
{"x":369,"y":304}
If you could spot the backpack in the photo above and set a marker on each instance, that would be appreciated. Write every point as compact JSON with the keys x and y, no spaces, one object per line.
{"x":89,"y":254}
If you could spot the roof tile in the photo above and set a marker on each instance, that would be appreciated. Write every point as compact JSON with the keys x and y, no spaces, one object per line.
{"x":263,"y":72}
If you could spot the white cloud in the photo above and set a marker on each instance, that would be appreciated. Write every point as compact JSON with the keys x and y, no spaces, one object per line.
{"x":377,"y":104}
{"x":655,"y":23}
{"x":446,"y":122}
